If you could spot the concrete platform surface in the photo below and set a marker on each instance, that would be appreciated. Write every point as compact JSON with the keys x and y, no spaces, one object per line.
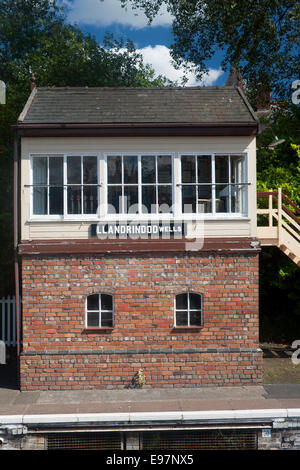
{"x":276,"y":396}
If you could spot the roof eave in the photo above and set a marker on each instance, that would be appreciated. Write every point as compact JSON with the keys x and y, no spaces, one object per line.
{"x":136,"y":129}
{"x":248,"y":105}
{"x":27,"y":106}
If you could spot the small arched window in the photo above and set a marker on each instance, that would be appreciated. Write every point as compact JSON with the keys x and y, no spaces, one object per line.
{"x":99,"y":311}
{"x":188,"y":309}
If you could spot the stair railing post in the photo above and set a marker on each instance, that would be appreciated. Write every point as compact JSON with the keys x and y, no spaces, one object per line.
{"x":270,"y":210}
{"x":279,"y":215}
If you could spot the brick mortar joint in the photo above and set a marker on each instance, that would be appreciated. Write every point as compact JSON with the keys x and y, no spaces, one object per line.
{"x":143,"y":352}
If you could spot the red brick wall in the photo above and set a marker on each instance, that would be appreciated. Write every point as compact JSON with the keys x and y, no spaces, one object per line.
{"x":58,"y":352}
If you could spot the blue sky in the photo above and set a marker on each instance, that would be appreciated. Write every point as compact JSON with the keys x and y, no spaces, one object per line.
{"x":153,"y":42}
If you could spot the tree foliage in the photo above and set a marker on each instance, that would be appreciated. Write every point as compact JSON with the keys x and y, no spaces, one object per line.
{"x":280,"y":167}
{"x":260,"y":37}
{"x":279,"y":276}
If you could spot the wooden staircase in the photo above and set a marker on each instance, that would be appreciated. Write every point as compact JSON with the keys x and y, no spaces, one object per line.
{"x":278,"y":224}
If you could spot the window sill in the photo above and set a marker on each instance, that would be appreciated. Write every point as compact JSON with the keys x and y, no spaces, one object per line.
{"x":104,"y":329}
{"x":179,"y":328}
{"x":63,"y":219}
{"x":105,"y":220}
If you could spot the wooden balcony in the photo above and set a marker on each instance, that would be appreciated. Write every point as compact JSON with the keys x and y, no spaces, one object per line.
{"x":278,"y":223}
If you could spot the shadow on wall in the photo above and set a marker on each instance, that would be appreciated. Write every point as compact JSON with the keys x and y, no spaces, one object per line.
{"x":9,"y":371}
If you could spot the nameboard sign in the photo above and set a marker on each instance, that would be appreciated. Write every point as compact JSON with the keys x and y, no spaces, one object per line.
{"x":155,"y":230}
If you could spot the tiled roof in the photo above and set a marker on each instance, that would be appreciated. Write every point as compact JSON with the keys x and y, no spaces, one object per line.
{"x":219,"y":105}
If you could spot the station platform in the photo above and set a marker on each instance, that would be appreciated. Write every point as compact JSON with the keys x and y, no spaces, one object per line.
{"x":274,"y":401}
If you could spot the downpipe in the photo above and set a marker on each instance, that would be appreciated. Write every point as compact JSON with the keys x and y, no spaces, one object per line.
{"x":16,"y":237}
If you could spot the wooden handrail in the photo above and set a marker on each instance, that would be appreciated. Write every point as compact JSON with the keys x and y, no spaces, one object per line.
{"x":266,"y":193}
{"x":291,"y":203}
{"x":285,"y":234}
{"x":291,"y":214}
{"x":274,"y":194}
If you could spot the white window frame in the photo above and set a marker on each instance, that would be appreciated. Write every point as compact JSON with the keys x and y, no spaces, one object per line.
{"x":65,"y":215}
{"x":140,"y":216}
{"x":99,"y":311}
{"x":102,"y":192}
{"x":188,"y":310}
{"x":214,"y":214}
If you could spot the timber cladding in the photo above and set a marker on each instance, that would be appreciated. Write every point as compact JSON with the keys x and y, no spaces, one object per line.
{"x":60,"y":352}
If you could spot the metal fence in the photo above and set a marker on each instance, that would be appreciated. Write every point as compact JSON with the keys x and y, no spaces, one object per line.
{"x":217,"y":439}
{"x":177,"y":440}
{"x":85,"y":441}
{"x":8,"y":327}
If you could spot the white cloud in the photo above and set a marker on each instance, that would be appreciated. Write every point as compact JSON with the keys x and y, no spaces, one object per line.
{"x":108,"y":12}
{"x":160,"y":59}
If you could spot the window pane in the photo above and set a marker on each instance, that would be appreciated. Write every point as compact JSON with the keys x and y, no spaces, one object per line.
{"x":40,"y":201}
{"x":74,"y":170}
{"x":222,"y":198}
{"x":56,"y":201}
{"x":239,"y":199}
{"x":106,"y":302}
{"x":149,"y":199}
{"x":188,"y":199}
{"x":148,"y":169}
{"x":93,"y":302}
{"x":188,"y":169}
{"x":181,"y":318}
{"x":130,"y":169}
{"x":115,"y":199}
{"x":164,"y":169}
{"x":107,"y":319}
{"x":222,"y":173}
{"x":204,"y":169}
{"x":90,"y":170}
{"x":93,"y":319}
{"x":40,"y":170}
{"x":56,"y":170}
{"x":195,"y":318}
{"x":181,"y":302}
{"x":165,"y":198}
{"x":130,"y":197}
{"x":237,"y":163}
{"x":90,"y":200}
{"x":74,"y":200}
{"x":204,"y":199}
{"x":195,"y":301}
{"x":56,"y":179}
{"x":114,"y":169}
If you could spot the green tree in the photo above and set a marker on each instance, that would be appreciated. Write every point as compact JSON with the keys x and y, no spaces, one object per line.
{"x":280,"y":167}
{"x":279,"y":276}
{"x":35,"y":38}
{"x":260,"y":37}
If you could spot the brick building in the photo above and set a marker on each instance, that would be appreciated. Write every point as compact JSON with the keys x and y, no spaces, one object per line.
{"x":137,"y":242}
